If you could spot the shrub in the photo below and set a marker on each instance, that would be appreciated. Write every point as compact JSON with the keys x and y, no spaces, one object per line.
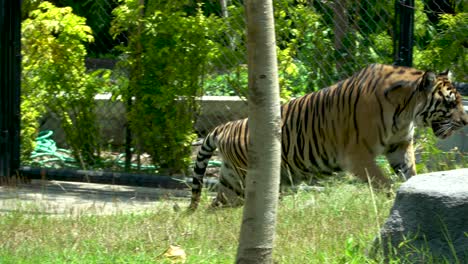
{"x":167,"y":54}
{"x":447,"y":48}
{"x":55,"y":79}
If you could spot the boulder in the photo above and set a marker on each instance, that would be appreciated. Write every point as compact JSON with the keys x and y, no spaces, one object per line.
{"x":429,"y":220}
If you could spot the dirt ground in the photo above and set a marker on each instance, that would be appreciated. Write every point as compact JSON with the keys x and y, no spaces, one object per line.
{"x":77,"y":198}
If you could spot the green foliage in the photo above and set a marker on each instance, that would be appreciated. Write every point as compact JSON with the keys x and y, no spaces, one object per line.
{"x":353,"y":252}
{"x":448,"y":47}
{"x":229,"y":72}
{"x":168,"y":53}
{"x":28,"y":6}
{"x":423,"y":29}
{"x":31,"y":110}
{"x":307,"y":60}
{"x":55,"y":78}
{"x":300,"y":35}
{"x":232,"y":83}
{"x":98,"y":17}
{"x":432,"y":157}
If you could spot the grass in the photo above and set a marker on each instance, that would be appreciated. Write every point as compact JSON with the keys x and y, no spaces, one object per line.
{"x":333,"y":226}
{"x":337,"y":225}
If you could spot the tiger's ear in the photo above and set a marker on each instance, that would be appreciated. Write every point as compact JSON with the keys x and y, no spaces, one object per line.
{"x":447,"y":74}
{"x":427,"y":82}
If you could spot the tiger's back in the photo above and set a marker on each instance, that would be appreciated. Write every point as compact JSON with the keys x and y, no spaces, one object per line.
{"x":342,"y":127}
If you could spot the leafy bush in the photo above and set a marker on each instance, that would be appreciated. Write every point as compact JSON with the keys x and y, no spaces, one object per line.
{"x":231,"y":83}
{"x":448,"y":47}
{"x":168,"y":53}
{"x":55,"y":79}
{"x":432,"y":158}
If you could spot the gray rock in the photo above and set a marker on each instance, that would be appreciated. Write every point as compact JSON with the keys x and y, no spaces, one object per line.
{"x":429,"y":220}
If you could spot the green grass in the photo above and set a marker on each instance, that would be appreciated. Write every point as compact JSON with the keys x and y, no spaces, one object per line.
{"x":333,"y":226}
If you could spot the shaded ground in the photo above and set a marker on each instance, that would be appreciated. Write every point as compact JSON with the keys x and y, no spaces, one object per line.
{"x":76,"y":198}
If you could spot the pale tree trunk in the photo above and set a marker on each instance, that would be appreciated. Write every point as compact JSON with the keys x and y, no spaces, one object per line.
{"x":224,"y":11}
{"x":262,"y":183}
{"x":225,"y":14}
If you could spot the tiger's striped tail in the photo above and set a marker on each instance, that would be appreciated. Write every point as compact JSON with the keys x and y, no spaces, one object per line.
{"x":204,"y":154}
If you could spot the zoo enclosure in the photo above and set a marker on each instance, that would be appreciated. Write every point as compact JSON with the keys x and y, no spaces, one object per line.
{"x":120,"y":90}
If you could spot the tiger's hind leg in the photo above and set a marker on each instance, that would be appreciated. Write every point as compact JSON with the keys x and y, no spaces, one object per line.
{"x":401,"y":159}
{"x":230,"y":189}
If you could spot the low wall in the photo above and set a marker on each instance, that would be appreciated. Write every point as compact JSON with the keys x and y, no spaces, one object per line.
{"x":214,"y":110}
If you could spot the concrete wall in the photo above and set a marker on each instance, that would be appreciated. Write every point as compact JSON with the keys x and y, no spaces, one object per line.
{"x":214,"y":110}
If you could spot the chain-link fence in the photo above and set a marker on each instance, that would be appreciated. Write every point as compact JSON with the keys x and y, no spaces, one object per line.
{"x":130,"y":85}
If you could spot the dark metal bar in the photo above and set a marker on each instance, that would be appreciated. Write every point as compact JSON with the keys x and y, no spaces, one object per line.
{"x":10,"y":63}
{"x":404,"y":28}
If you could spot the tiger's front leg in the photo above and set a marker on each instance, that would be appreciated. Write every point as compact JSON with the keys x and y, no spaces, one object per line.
{"x":401,"y":159}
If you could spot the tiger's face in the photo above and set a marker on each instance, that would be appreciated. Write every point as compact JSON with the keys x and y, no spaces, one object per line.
{"x":445,"y":113}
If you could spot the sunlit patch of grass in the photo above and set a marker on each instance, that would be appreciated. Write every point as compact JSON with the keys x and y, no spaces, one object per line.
{"x":333,"y":226}
{"x":315,"y":227}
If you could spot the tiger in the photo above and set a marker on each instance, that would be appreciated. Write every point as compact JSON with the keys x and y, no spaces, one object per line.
{"x":343,"y":127}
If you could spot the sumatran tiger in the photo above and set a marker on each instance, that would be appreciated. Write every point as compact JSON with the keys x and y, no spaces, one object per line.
{"x":342,"y":128}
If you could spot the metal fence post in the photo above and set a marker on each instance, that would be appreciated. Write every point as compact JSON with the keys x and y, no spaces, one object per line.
{"x":404,"y":26}
{"x":10,"y":59}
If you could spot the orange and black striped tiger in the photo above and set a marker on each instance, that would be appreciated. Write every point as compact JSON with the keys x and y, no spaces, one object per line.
{"x":342,"y":127}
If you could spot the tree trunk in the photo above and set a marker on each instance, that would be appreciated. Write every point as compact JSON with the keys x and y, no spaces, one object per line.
{"x":264,"y":155}
{"x":225,"y":14}
{"x":224,"y":11}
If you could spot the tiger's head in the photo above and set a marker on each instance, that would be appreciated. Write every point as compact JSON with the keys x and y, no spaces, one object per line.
{"x":443,"y":111}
